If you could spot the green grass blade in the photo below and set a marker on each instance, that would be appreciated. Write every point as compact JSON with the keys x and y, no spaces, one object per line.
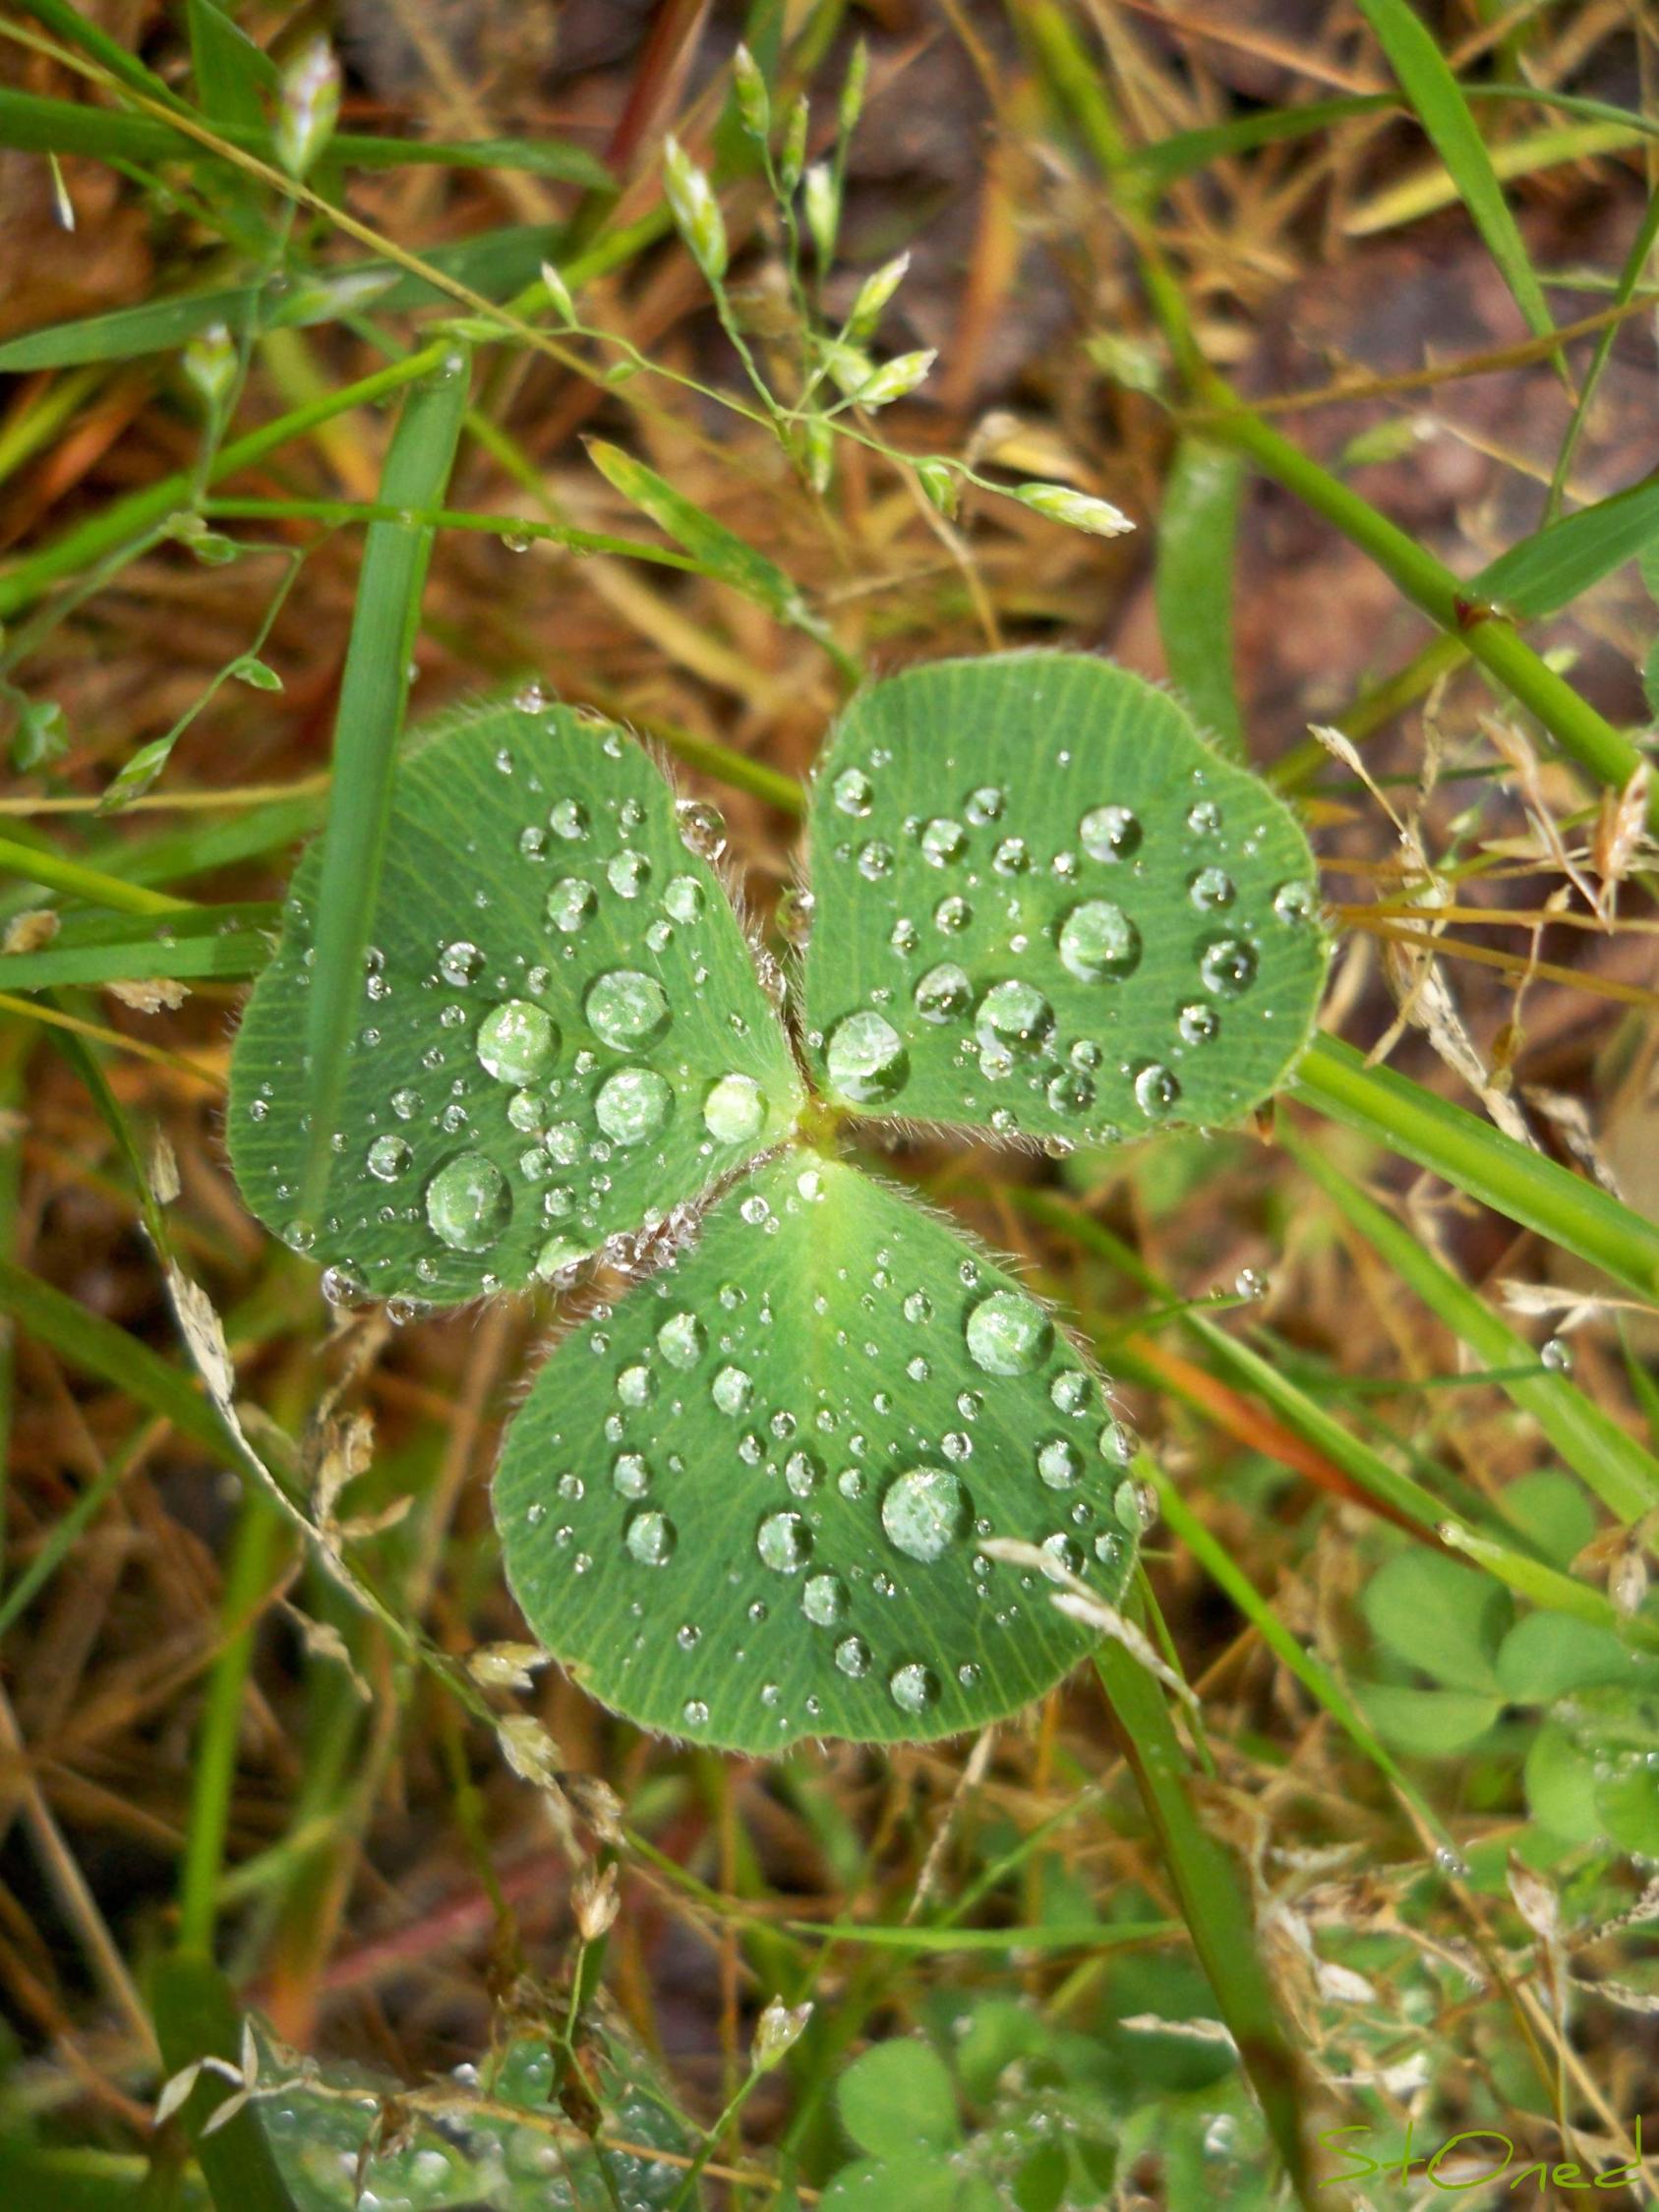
{"x":1629,"y":276}
{"x":227,"y":958}
{"x":1613,"y":1464}
{"x":75,"y":29}
{"x":1440,"y":108}
{"x":230,"y":70}
{"x":53,"y":871}
{"x":1467,"y":1152}
{"x":196,"y":2016}
{"x":1194,"y":584}
{"x":1552,"y":567}
{"x":99,"y":1347}
{"x":1185,"y":153}
{"x":1213,"y":1905}
{"x":1051,"y":1934}
{"x":373,"y":691}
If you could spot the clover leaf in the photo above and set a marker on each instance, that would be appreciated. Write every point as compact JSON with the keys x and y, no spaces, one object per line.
{"x":752,"y":1502}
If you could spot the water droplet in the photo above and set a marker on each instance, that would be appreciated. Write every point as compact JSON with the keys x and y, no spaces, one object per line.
{"x":624,"y":1008}
{"x":630,"y":1474}
{"x":875,"y":860}
{"x":1226,"y":966}
{"x":1070,"y":1093}
{"x":532,"y":843}
{"x":1007,"y":1333}
{"x":1203,"y":818}
{"x":918,"y":1307}
{"x":1250,"y":1282}
{"x":468,"y":1203}
{"x":694,"y":1713}
{"x":683,"y":900}
{"x":853,"y":1657}
{"x":985,"y":804}
{"x":866,"y":1058}
{"x":558,"y":1257}
{"x":1295,"y":903}
{"x":942,"y":841}
{"x":633,"y":1105}
{"x":1556,"y":1355}
{"x":952,"y":915}
{"x":636,"y":1385}
{"x":944,"y":993}
{"x":924,"y":1511}
{"x":1098,"y":940}
{"x":516,"y":1042}
{"x":1135,"y":1507}
{"x":388,"y":1157}
{"x":680,"y":1340}
{"x":734,"y":1109}
{"x":1109,"y":834}
{"x":824,"y":1599}
{"x":460,"y":962}
{"x":568,"y":819}
{"x":784,"y":1542}
{"x":702,"y":827}
{"x":803,"y":1471}
{"x":650,"y":1537}
{"x":732,"y":1389}
{"x":1198,"y":1023}
{"x":1014,"y":1017}
{"x":1210,"y":889}
{"x":913,"y":1687}
{"x":1012,"y":856}
{"x":1157,"y":1089}
{"x":853,"y":792}
{"x":1059,"y":1463}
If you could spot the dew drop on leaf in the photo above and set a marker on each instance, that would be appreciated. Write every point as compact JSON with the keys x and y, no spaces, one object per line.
{"x":627,"y":872}
{"x":650,"y":1537}
{"x":1157,"y":1089}
{"x":924,"y":1511}
{"x":985,"y":803}
{"x":1014,"y":1017}
{"x":460,"y":962}
{"x":468,"y":1204}
{"x":1227,"y":966}
{"x":518,"y":1042}
{"x":865,"y":1058}
{"x":1210,"y":889}
{"x":558,"y":1257}
{"x":1059,"y":1463}
{"x":1098,"y":940}
{"x":784,"y":1542}
{"x":680,"y":1340}
{"x":944,"y":993}
{"x":853,"y":792}
{"x":942,"y":841}
{"x":1198,"y":1023}
{"x":569,"y":903}
{"x":633,"y":1105}
{"x":1109,"y":834}
{"x":624,"y":1008}
{"x":853,"y":1657}
{"x":568,"y":819}
{"x":388,"y":1157}
{"x":913,"y":1687}
{"x":734,"y":1109}
{"x":1295,"y":903}
{"x":732,"y":1389}
{"x":683,"y":899}
{"x":1007,"y":1333}
{"x":630,"y":1474}
{"x":824,"y":1599}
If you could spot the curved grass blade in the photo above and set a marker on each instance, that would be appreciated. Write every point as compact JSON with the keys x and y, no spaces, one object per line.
{"x":1438,"y":99}
{"x":1193,"y":584}
{"x":1467,"y":1152}
{"x":1543,"y":573}
{"x":370,"y":719}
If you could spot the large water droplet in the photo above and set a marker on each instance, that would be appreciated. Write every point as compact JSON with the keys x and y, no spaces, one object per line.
{"x":1098,"y":940}
{"x":633,"y":1105}
{"x":1059,"y":1463}
{"x":630,"y":1474}
{"x":460,"y":962}
{"x":624,"y":1008}
{"x":1198,"y":1023}
{"x":558,"y":1257}
{"x":627,"y":872}
{"x":1014,"y":1017}
{"x":680,"y":1340}
{"x":650,"y":1537}
{"x":1157,"y":1089}
{"x":388,"y":1157}
{"x":784,"y":1542}
{"x":1227,"y":966}
{"x":734,"y":1109}
{"x":913,"y":1687}
{"x":569,"y":903}
{"x":683,"y":899}
{"x":1008,"y":1333}
{"x":468,"y":1203}
{"x":518,"y":1042}
{"x":824,"y":1599}
{"x":1110,"y":832}
{"x":866,"y":1057}
{"x":944,"y":993}
{"x":942,"y":841}
{"x":568,"y":819}
{"x":732,"y":1389}
{"x":1295,"y":903}
{"x":853,"y":1657}
{"x":1210,"y":889}
{"x":985,"y":803}
{"x":924,"y":1511}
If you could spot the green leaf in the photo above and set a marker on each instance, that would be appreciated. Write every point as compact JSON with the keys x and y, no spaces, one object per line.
{"x":743,"y":1506}
{"x":1438,"y":98}
{"x":1546,"y":1656}
{"x":919,"y":2182}
{"x":1444,"y":1618}
{"x":1628,"y":1801}
{"x":1560,"y":1778}
{"x":1194,"y":584}
{"x":534,"y":862}
{"x":897,"y":2098}
{"x":197,"y":2017}
{"x":1429,"y":1723}
{"x":1045,"y":906}
{"x":1552,"y":567}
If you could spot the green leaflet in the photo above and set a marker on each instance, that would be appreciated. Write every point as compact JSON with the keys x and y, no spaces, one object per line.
{"x":745,"y":1506}
{"x":1043,"y":904}
{"x":533,"y":862}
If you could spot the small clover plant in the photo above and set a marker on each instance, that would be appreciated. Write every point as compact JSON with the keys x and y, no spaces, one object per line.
{"x":747,"y":1504}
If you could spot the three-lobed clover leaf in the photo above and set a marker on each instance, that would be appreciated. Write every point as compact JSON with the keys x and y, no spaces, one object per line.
{"x":1043,"y":903}
{"x":750,"y":1503}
